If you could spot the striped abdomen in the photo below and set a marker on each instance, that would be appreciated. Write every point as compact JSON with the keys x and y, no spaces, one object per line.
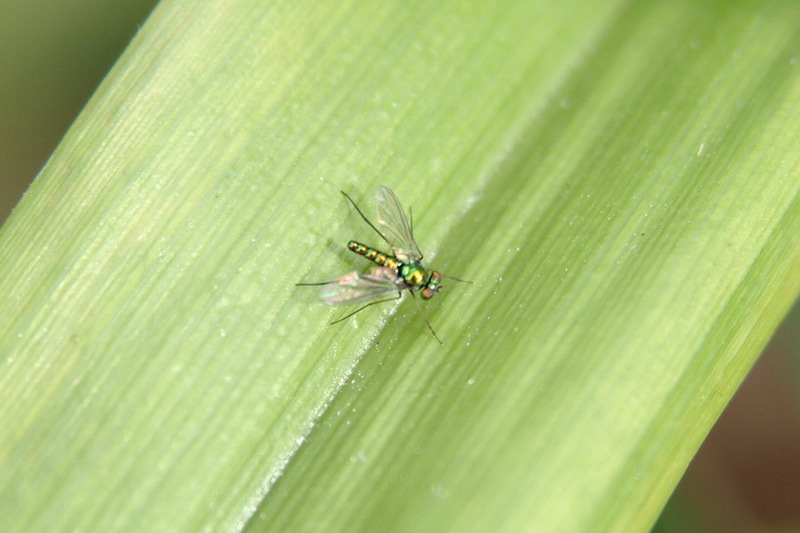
{"x":414,"y":275}
{"x":376,"y":256}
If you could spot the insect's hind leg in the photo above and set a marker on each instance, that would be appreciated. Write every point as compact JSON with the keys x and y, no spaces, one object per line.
{"x":345,"y":317}
{"x":364,"y":217}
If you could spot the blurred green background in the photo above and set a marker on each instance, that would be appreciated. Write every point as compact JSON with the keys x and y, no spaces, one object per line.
{"x":746,"y":477}
{"x":53,"y":54}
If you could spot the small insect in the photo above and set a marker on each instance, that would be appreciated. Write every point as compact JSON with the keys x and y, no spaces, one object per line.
{"x":401,"y":270}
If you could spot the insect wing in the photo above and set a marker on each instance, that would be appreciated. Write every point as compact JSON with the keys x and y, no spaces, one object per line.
{"x":396,"y":227}
{"x":355,"y":287}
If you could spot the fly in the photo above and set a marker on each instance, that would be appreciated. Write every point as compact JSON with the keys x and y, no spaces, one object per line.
{"x":401,"y":270}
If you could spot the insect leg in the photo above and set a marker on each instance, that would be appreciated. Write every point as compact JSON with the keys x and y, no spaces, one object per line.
{"x":422,"y":314}
{"x":345,"y":317}
{"x":365,"y":218}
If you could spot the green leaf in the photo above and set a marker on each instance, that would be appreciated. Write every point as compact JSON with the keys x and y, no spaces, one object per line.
{"x":620,"y":182}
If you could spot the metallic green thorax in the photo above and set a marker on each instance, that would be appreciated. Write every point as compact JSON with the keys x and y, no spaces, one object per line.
{"x":414,"y":275}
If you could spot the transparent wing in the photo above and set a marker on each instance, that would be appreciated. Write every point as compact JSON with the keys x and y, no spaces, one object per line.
{"x":355,"y":287}
{"x":395,"y":226}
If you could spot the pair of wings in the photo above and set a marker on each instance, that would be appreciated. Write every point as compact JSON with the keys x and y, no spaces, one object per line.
{"x":393,"y":226}
{"x":355,"y":287}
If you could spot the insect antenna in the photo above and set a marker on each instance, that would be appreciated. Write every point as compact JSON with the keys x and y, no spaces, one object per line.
{"x":455,"y":279}
{"x":365,"y":218}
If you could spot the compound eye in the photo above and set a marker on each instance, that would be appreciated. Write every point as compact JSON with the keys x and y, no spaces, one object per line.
{"x":432,"y":286}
